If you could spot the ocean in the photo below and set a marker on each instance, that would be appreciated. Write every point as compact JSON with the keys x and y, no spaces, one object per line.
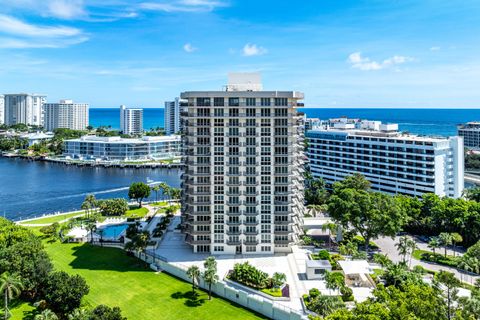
{"x":437,"y":122}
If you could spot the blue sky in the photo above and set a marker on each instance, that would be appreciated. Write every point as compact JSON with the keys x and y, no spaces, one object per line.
{"x":375,"y":53}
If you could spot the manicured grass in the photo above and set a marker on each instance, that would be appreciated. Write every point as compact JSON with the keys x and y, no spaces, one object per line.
{"x":274,"y":293}
{"x":159,"y":204}
{"x":116,"y":279}
{"x":21,"y":310}
{"x":136,"y":212}
{"x":428,"y":256}
{"x":53,"y":219}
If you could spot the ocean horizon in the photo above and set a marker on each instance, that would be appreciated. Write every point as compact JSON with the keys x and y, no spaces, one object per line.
{"x":421,"y":121}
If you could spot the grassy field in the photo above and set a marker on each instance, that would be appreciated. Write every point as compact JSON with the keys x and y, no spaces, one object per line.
{"x":53,"y":219}
{"x":136,"y":212}
{"x":118,"y":280}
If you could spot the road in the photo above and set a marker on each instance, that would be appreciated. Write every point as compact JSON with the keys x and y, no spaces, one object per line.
{"x":387,"y":246}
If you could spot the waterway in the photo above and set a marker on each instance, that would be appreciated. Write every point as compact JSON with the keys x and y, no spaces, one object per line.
{"x":32,"y":188}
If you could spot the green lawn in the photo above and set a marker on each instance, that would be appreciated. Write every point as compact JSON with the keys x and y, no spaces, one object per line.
{"x":118,"y":280}
{"x":54,"y":219}
{"x":136,"y":212}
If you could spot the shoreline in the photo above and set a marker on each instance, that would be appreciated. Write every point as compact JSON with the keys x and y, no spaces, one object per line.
{"x":104,"y":164}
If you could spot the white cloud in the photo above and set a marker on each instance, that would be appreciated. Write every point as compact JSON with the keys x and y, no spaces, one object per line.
{"x":253,"y":50}
{"x":187,"y":47}
{"x":366,"y":64}
{"x":66,"y":9}
{"x":435,"y":49}
{"x":12,"y":43}
{"x":17,"y":27}
{"x":183,"y":5}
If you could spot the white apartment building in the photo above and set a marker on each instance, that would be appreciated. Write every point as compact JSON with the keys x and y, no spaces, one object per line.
{"x":66,"y":114}
{"x":393,"y":162}
{"x":470,"y":132}
{"x":243,"y":183}
{"x":24,"y":108}
{"x":131,"y":120}
{"x":121,"y":149}
{"x":172,"y":115}
{"x":2,"y":109}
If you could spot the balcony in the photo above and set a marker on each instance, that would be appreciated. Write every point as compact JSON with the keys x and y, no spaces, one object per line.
{"x":233,"y":232}
{"x":250,"y":233}
{"x":250,"y":242}
{"x":234,"y":242}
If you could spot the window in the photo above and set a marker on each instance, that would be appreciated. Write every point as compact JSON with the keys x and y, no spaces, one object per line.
{"x":251,"y":249}
{"x":218,"y":248}
{"x":281,"y":102}
{"x":233,"y":102}
{"x":251,"y":102}
{"x":265,"y":102}
{"x":266,"y":248}
{"x":319,"y":271}
{"x":218,"y":102}
{"x":203,"y":102}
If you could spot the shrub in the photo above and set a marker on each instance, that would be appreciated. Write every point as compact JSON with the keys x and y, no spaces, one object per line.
{"x":334,"y":258}
{"x":113,"y":207}
{"x":247,"y":274}
{"x":323,"y":255}
{"x":313,"y":293}
{"x":347,"y":294}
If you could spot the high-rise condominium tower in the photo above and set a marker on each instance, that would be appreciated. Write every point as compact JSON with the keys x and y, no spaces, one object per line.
{"x":243,"y":183}
{"x":66,"y":114}
{"x":172,"y":115}
{"x":2,"y":109}
{"x":131,"y":120}
{"x":24,"y":108}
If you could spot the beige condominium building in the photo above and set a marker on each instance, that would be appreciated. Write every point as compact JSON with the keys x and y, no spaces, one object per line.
{"x":243,"y":180}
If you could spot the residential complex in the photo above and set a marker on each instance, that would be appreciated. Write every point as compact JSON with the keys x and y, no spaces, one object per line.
{"x":24,"y":108}
{"x":120,"y":149}
{"x":66,"y":114}
{"x":471,"y":134}
{"x":2,"y":109}
{"x":392,"y":161}
{"x":131,"y":120}
{"x":172,"y":115}
{"x":243,"y":186}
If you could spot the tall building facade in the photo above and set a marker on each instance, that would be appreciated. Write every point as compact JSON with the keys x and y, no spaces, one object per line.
{"x":393,"y":162}
{"x":2,"y":109}
{"x":24,"y":108}
{"x":243,"y":183}
{"x":131,"y":120}
{"x":66,"y":114}
{"x":172,"y":116}
{"x":470,"y":132}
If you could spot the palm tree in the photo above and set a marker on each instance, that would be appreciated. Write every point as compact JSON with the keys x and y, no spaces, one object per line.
{"x":46,"y":314}
{"x":278,"y":279}
{"x":165,"y":189}
{"x":456,"y":238}
{"x":142,"y":241}
{"x":434,"y":244}
{"x":382,"y":259}
{"x":11,"y":287}
{"x":175,"y":193}
{"x":334,"y":280}
{"x":402,"y":247}
{"x":331,"y":227}
{"x":210,"y":277}
{"x":193,"y":273}
{"x":446,"y":240}
{"x":316,"y":208}
{"x":155,"y":189}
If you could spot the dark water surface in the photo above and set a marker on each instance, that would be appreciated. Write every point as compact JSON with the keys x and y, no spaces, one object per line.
{"x":30,"y":188}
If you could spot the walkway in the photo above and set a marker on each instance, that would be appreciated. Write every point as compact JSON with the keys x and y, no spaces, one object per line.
{"x":387,"y":246}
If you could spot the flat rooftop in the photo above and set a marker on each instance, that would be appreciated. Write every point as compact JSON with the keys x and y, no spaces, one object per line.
{"x":242,"y":94}
{"x":119,"y":140}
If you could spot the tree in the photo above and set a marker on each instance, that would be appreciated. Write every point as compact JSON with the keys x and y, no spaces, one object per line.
{"x":210,"y":274}
{"x":175,"y":193}
{"x":371,"y":214}
{"x":80,"y":314}
{"x":63,"y":293}
{"x":193,"y":273}
{"x":139,"y":191}
{"x":156,"y":189}
{"x":10,"y":287}
{"x":325,"y":305}
{"x":434,"y":244}
{"x":405,"y":247}
{"x":331,"y":228}
{"x":382,"y":259}
{"x":473,"y":193}
{"x":165,"y":189}
{"x":355,"y":181}
{"x":334,"y":280}
{"x":315,"y":190}
{"x":448,"y":280}
{"x":446,"y":240}
{"x":278,"y":279}
{"x":113,"y":207}
{"x":103,"y":312}
{"x":46,"y":314}
{"x":51,"y":230}
{"x":317,"y":208}
{"x":456,"y":238}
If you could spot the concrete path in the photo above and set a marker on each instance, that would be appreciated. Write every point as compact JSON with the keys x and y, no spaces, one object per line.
{"x":387,"y":246}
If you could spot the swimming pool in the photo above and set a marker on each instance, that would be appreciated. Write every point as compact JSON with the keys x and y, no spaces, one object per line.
{"x":113,"y":231}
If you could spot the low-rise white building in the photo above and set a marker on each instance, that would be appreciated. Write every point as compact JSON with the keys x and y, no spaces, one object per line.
{"x":393,"y":162}
{"x":120,"y":149}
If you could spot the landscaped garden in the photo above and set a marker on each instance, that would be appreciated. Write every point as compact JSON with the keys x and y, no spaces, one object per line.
{"x":116,"y":279}
{"x":248,"y":275}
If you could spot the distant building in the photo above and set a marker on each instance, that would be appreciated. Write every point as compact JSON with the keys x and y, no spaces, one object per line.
{"x":393,"y":162}
{"x":2,"y":109}
{"x":37,"y":137}
{"x":24,"y":108}
{"x":120,"y":149}
{"x":471,"y":134}
{"x":66,"y":114}
{"x":311,"y":123}
{"x":131,"y":120}
{"x":172,"y":115}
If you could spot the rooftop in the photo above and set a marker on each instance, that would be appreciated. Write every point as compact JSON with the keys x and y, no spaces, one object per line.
{"x":318,"y":264}
{"x":116,"y":139}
